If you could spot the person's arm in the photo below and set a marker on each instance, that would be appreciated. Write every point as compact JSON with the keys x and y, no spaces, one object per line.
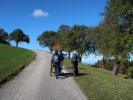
{"x":52,"y":59}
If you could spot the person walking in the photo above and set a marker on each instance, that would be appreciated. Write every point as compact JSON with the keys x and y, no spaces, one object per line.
{"x":61,"y":58}
{"x":55,"y":61}
{"x":74,"y":61}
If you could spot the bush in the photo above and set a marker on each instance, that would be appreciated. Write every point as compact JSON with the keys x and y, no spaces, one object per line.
{"x":109,"y":64}
{"x":124,"y":66}
{"x":122,"y":69}
{"x":130,"y":72}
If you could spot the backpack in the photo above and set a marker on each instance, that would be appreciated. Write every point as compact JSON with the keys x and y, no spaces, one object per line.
{"x":55,"y":58}
{"x":74,"y":57}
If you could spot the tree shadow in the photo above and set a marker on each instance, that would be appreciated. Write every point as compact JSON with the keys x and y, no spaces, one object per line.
{"x":82,"y":74}
{"x":81,"y":68}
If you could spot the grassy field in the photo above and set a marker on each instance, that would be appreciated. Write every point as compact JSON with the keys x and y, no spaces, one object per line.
{"x":98,"y":84}
{"x":12,"y":60}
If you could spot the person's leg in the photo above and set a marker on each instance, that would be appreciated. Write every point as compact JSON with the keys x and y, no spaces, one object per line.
{"x":59,"y":68}
{"x":72,"y":67}
{"x":56,"y":71}
{"x":76,"y":68}
{"x":51,"y":70}
{"x":61,"y":65}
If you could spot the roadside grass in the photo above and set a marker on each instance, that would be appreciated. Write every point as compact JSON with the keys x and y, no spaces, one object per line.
{"x":12,"y":60}
{"x":98,"y":84}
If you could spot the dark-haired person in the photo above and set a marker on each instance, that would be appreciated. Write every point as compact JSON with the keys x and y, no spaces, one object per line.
{"x":55,"y":61}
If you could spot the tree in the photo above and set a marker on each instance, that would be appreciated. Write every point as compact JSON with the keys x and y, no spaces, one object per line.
{"x":48,"y":39}
{"x":117,"y":35}
{"x":64,"y":38}
{"x":26,"y":38}
{"x":75,"y":38}
{"x":82,"y":44}
{"x":18,"y":36}
{"x":102,"y":38}
{"x":3,"y":36}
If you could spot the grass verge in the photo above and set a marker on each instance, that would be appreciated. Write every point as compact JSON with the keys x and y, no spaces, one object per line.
{"x":98,"y":84}
{"x":13,"y":60}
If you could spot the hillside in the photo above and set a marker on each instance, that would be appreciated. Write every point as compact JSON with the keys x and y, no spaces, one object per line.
{"x":12,"y":60}
{"x":98,"y":84}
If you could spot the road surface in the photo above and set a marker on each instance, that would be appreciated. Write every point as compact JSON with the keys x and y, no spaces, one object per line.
{"x":35,"y":83}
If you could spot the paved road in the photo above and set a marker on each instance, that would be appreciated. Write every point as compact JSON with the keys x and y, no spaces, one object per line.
{"x":34,"y":83}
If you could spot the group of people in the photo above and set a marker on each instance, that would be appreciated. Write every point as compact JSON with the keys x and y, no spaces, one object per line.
{"x":57,"y":63}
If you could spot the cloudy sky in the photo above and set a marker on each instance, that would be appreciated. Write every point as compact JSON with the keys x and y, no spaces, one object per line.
{"x":36,"y":16}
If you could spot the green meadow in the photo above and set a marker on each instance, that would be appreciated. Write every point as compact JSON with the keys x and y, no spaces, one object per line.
{"x":12,"y":60}
{"x":98,"y":84}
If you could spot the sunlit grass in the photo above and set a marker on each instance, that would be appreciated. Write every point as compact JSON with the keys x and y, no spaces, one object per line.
{"x":98,"y":84}
{"x":13,"y":59}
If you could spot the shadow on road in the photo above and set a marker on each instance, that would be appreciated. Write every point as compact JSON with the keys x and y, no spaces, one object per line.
{"x":66,"y":75}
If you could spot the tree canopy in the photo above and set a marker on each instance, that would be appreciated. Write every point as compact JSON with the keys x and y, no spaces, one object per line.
{"x":48,"y":39}
{"x":18,"y":36}
{"x":68,"y":39}
{"x":3,"y":36}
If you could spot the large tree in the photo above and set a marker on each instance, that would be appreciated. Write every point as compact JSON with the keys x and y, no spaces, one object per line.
{"x":3,"y":36}
{"x":18,"y":36}
{"x":116,"y":38}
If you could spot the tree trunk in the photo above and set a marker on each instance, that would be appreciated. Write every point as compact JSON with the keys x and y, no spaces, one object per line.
{"x":16,"y":44}
{"x":69,"y":53}
{"x":80,"y":58}
{"x":103,"y":64}
{"x":116,"y":68}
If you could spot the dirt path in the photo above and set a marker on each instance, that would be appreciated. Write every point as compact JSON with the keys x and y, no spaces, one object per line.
{"x":34,"y":83}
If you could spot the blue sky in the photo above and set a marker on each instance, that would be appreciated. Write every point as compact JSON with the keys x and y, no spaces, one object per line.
{"x":36,"y":16}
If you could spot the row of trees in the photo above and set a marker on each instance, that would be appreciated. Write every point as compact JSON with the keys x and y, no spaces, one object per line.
{"x":68,"y":39}
{"x":113,"y":37}
{"x":17,"y":35}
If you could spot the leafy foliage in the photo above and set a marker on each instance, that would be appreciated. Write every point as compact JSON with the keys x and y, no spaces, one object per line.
{"x":3,"y":36}
{"x":130,"y":72}
{"x":64,"y":37}
{"x":48,"y":39}
{"x":118,"y":16}
{"x":114,"y":36}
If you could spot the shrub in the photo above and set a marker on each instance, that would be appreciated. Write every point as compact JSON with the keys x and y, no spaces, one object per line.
{"x":130,"y":72}
{"x":124,"y":66}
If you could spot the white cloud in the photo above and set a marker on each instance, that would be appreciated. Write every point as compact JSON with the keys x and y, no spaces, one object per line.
{"x":39,"y":13}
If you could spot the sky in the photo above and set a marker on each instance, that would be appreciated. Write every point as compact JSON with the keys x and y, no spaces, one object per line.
{"x":37,"y":16}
